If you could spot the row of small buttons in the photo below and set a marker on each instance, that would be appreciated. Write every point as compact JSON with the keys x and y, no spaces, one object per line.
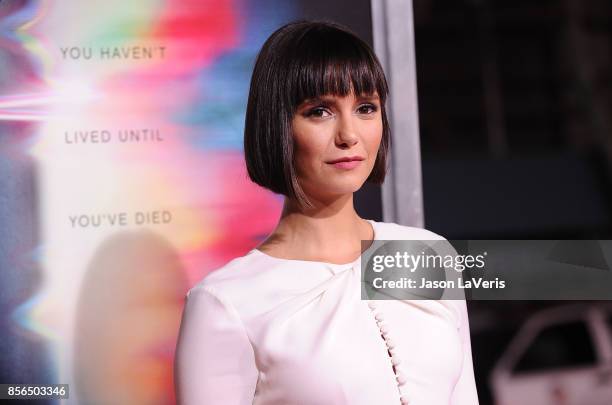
{"x":395,"y":360}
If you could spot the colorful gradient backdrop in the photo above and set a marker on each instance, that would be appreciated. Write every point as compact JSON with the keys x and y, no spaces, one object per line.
{"x":100,"y":238}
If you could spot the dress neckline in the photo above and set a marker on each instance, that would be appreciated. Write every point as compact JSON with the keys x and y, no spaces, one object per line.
{"x":336,"y":265}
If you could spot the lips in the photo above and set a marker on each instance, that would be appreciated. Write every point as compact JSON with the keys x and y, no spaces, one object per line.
{"x":346,"y":159}
{"x":346,"y":163}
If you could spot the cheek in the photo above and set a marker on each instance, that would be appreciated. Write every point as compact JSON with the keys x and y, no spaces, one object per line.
{"x":373,"y":136}
{"x":310,"y":148}
{"x":309,"y":160}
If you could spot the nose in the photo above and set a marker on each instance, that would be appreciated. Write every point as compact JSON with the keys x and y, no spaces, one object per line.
{"x":346,"y":131}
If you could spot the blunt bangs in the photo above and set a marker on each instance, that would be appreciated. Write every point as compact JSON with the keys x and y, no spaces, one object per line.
{"x":331,"y":61}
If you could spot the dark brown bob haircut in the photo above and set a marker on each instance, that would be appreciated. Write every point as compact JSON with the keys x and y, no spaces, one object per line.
{"x":299,"y":61}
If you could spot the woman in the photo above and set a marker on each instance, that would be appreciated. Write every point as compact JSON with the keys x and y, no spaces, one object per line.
{"x":285,"y":324}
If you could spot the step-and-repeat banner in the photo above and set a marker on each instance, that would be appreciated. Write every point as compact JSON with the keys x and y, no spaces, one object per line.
{"x":122,"y":181}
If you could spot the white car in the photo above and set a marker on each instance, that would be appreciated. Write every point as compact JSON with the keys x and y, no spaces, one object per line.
{"x":560,"y":356}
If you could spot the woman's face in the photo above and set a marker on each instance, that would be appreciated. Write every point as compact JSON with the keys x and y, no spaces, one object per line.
{"x":334,"y":127}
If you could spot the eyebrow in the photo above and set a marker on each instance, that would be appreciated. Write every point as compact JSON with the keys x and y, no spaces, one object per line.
{"x":331,"y":99}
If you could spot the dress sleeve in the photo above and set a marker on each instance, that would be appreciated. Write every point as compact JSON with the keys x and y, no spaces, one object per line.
{"x":465,"y":390}
{"x":214,"y":361}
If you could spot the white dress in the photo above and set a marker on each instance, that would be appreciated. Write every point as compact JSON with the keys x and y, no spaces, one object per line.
{"x":270,"y":331}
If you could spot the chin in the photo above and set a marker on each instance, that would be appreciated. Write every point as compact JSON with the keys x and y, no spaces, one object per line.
{"x":345,"y":188}
{"x":336,"y":186}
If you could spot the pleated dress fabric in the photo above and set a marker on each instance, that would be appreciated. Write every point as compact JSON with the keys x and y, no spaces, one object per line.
{"x":269,"y":331}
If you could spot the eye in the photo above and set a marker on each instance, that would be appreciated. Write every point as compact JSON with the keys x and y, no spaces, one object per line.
{"x":317,"y":112}
{"x":367,"y":108}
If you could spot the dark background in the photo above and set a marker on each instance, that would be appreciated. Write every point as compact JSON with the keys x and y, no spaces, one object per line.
{"x":516,"y":136}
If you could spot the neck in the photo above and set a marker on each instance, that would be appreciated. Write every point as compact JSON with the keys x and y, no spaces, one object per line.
{"x":332,"y":229}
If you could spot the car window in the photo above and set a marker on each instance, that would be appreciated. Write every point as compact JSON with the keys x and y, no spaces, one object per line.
{"x":558,"y":346}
